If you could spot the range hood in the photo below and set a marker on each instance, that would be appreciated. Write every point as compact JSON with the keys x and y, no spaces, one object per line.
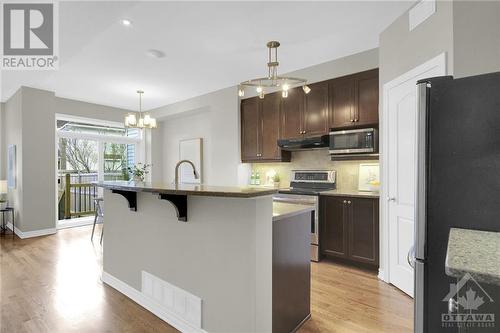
{"x":315,"y":142}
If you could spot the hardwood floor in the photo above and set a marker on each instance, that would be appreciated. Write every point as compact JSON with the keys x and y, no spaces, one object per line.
{"x":52,"y":284}
{"x":346,"y":299}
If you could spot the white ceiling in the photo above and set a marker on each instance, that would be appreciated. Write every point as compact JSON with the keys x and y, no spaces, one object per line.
{"x":208,"y":45}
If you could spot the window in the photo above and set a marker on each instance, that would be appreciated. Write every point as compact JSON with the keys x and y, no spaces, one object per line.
{"x":87,"y":153}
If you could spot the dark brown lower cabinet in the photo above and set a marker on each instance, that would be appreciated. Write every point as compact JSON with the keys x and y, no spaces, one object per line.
{"x":350,"y":229}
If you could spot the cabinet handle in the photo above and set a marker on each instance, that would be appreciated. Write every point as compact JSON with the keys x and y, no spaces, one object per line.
{"x":345,"y":201}
{"x":349,"y":202}
{"x":356,"y":119}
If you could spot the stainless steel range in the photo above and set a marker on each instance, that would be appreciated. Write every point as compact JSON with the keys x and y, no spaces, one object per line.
{"x":305,"y":187}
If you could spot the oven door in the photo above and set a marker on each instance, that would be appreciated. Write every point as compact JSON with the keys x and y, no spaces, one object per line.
{"x":353,"y":141}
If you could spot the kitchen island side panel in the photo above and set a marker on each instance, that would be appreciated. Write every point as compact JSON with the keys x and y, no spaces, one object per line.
{"x":222,"y":254}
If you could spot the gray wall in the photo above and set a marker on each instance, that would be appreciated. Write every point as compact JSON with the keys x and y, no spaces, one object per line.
{"x":38,"y":160}
{"x":401,"y":50}
{"x":12,"y":132}
{"x":476,"y":34}
{"x":213,"y":117}
{"x":29,"y":123}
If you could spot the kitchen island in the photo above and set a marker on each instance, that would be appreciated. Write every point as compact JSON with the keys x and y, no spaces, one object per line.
{"x":207,"y":258}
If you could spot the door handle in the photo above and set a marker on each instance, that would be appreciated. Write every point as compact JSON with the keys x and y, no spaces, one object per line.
{"x":410,"y":257}
{"x":391,"y":199}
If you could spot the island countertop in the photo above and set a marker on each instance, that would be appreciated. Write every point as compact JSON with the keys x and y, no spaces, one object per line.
{"x":283,"y":210}
{"x":476,"y":252}
{"x":187,"y":189}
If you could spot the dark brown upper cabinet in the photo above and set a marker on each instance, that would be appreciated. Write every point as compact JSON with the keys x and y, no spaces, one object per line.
{"x":342,"y":102}
{"x":250,"y":129}
{"x":292,"y":109}
{"x":354,"y":100}
{"x":260,"y":130}
{"x":367,"y":94}
{"x":346,"y":102}
{"x":315,"y":118}
{"x":270,"y":120}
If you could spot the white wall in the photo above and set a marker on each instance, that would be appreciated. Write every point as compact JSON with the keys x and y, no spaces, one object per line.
{"x":29,"y":123}
{"x":215,"y":118}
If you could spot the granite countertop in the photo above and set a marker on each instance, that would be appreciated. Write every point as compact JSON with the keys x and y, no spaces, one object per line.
{"x":342,"y":193}
{"x":283,"y":210}
{"x":475,"y":252}
{"x":187,"y":189}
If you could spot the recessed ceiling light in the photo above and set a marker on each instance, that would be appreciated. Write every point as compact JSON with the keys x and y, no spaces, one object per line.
{"x":153,"y":53}
{"x":126,"y":22}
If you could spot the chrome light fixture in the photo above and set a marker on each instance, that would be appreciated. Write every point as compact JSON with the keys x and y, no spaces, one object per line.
{"x":144,"y":121}
{"x":273,"y":80}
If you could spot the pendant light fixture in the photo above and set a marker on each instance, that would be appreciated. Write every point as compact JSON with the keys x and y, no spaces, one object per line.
{"x":144,"y":121}
{"x":273,"y":80}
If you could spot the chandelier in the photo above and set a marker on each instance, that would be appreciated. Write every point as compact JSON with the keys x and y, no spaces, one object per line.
{"x":273,"y":80}
{"x":144,"y":121}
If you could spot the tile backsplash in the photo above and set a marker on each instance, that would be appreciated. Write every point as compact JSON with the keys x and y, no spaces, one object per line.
{"x":347,"y":171}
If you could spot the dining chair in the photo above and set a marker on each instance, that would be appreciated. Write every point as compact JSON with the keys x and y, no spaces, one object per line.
{"x":99,"y":216}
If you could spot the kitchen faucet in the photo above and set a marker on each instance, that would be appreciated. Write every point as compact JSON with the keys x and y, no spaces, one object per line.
{"x":177,"y":170}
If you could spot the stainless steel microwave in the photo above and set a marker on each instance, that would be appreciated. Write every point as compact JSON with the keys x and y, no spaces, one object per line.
{"x":356,"y":141}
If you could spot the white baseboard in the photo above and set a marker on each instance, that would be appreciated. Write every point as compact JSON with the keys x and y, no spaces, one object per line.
{"x":149,"y":304}
{"x":33,"y":233}
{"x":382,"y":276}
{"x":75,"y":222}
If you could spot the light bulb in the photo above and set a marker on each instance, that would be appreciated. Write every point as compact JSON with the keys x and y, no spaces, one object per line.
{"x":284,"y":93}
{"x":140,"y":124}
{"x":241,"y":92}
{"x":147,"y":119}
{"x":126,"y":22}
{"x":126,"y":122}
{"x":259,"y":89}
{"x":153,"y":124}
{"x":306,"y":89}
{"x":261,"y":94}
{"x":132,"y":120}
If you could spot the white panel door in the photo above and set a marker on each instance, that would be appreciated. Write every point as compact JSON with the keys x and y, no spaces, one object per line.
{"x":401,"y":157}
{"x":400,"y":98}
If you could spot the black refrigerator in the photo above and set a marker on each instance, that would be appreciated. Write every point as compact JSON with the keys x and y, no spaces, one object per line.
{"x":457,"y":185}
